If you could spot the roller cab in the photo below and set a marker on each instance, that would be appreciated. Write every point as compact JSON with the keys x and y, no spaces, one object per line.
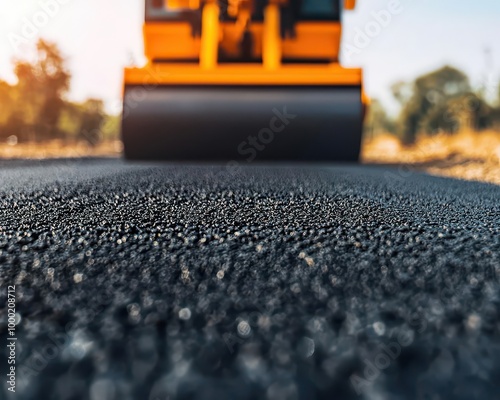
{"x":244,"y":81}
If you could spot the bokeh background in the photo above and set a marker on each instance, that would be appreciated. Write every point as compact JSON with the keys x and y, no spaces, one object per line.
{"x":432,"y":71}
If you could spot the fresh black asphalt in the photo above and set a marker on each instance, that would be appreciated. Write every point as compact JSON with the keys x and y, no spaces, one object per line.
{"x":162,"y":281}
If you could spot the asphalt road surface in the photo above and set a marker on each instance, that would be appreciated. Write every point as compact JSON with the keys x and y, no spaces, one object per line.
{"x":144,"y":281}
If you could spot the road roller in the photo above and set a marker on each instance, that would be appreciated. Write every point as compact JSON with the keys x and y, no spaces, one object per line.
{"x":243,"y":80}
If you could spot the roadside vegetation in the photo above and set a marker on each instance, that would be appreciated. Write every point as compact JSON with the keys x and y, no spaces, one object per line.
{"x":440,"y":102}
{"x":36,"y":108}
{"x":444,"y":127}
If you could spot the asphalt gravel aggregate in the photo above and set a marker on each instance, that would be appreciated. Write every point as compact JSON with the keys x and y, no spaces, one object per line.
{"x":172,"y":281}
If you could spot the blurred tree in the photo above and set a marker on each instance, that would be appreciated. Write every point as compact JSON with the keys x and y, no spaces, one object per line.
{"x":466,"y":111}
{"x":36,"y":108}
{"x":15,"y":126}
{"x":111,"y":127}
{"x":92,"y":118}
{"x":402,"y":92}
{"x":421,"y":99}
{"x":10,"y":119}
{"x":6,"y":100}
{"x":377,"y":121}
{"x":28,"y":95}
{"x":42,"y":85}
{"x":498,"y":98}
{"x":69,"y":121}
{"x":495,"y":116}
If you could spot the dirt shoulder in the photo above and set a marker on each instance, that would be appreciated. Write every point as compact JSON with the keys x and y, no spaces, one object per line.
{"x":467,"y":155}
{"x":60,"y":149}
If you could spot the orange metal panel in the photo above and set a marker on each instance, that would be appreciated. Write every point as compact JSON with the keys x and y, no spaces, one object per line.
{"x":170,"y":40}
{"x":349,"y":4}
{"x":314,"y":40}
{"x":242,"y":74}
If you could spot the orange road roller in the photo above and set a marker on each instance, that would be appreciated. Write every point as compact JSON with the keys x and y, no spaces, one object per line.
{"x":243,"y":80}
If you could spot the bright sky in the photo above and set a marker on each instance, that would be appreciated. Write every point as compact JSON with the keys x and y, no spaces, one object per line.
{"x":99,"y":37}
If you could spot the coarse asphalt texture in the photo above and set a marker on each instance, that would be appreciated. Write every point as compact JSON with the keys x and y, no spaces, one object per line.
{"x":171,"y":281}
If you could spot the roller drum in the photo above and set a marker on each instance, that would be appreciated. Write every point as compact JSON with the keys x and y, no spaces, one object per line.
{"x":242,"y":123}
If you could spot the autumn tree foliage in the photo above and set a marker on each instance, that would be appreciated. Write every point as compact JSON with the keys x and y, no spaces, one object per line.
{"x":37,"y":109}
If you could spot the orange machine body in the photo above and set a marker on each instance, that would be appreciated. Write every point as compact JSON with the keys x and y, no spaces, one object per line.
{"x":177,"y":56}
